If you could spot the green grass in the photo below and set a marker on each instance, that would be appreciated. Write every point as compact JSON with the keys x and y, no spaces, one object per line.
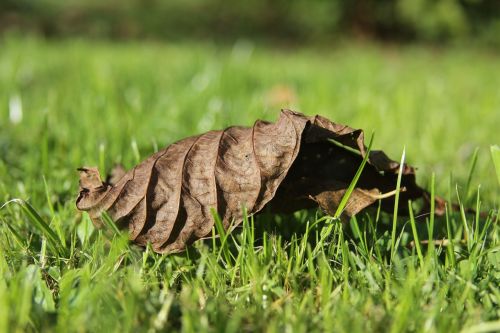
{"x":94,"y":103}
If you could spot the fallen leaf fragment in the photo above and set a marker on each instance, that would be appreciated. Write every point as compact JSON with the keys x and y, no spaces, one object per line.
{"x":288,"y":165}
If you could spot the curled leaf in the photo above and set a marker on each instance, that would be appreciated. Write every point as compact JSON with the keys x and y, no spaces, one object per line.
{"x":287,"y":165}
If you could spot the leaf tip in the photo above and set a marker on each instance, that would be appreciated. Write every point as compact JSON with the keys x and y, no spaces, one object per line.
{"x":90,"y":178}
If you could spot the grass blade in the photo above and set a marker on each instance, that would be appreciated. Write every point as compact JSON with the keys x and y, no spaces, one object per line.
{"x":495,"y":155}
{"x":219,"y":227}
{"x":396,"y":203}
{"x":451,"y":248}
{"x":471,"y":172}
{"x":354,"y":181}
{"x":433,"y":210}
{"x":16,"y":235}
{"x":415,"y":235}
{"x":54,"y":241}
{"x":109,"y":223}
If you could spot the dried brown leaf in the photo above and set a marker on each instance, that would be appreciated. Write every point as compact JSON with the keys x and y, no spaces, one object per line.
{"x":287,"y":165}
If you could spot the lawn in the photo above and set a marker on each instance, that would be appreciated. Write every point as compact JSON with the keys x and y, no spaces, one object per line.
{"x":71,"y":103}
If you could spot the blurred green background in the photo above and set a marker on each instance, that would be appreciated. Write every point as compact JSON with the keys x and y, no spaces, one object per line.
{"x":437,"y":21}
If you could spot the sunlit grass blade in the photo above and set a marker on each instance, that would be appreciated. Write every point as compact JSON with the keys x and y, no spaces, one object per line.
{"x":135,"y":151}
{"x":396,"y":203}
{"x":415,"y":234}
{"x":109,"y":223}
{"x":451,"y":247}
{"x":467,"y":232}
{"x":343,"y":146}
{"x":495,"y":155}
{"x":432,"y":213}
{"x":102,"y":157}
{"x":223,"y":235}
{"x":471,"y":173}
{"x":476,"y":231}
{"x":354,"y":181}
